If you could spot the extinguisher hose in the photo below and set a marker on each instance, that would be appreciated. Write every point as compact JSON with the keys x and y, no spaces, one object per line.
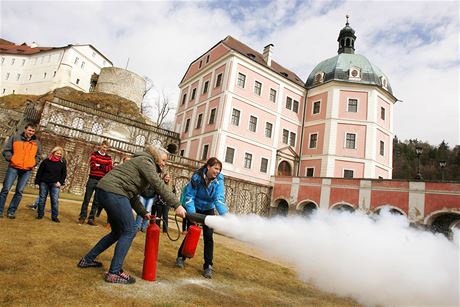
{"x":167,"y":229}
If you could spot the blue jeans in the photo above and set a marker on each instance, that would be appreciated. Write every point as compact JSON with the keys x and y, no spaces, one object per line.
{"x":148,"y":203}
{"x":11,"y":175}
{"x":54,"y":191}
{"x":121,"y":221}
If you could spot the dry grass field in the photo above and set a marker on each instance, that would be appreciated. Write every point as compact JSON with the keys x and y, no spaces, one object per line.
{"x":38,"y":268}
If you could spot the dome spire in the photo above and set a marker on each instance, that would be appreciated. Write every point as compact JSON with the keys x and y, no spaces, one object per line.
{"x":347,"y":39}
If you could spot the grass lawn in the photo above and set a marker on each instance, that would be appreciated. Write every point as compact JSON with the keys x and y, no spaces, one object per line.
{"x":39,"y":257}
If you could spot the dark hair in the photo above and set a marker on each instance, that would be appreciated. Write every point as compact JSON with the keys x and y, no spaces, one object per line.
{"x":105,"y":142}
{"x":212,"y":161}
{"x":31,"y":125}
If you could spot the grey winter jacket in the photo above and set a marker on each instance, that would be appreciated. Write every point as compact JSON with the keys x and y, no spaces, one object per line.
{"x":132,"y":178}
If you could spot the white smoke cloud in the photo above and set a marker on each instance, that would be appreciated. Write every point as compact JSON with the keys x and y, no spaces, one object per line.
{"x":376,"y":260}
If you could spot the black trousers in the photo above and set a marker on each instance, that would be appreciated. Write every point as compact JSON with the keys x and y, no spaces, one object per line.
{"x":90,"y":187}
{"x":207,"y":239}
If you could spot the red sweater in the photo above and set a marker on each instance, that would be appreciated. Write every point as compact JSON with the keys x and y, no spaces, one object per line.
{"x":99,"y":165}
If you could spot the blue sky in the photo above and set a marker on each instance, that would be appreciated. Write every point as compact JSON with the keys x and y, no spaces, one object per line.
{"x":415,"y":43}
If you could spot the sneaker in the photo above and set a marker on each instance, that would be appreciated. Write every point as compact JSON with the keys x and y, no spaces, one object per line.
{"x":32,"y":206}
{"x":89,"y":264}
{"x":207,"y":273}
{"x":92,"y":223}
{"x":55,"y":219}
{"x":81,"y":221}
{"x":119,"y":278}
{"x":180,"y":262}
{"x":11,"y":216}
{"x":39,"y":217}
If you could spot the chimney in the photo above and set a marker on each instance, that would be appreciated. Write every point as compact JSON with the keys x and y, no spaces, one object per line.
{"x":268,"y":50}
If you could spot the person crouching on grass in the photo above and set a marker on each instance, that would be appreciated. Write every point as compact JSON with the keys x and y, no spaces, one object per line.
{"x":117,"y":192}
{"x":204,"y":193}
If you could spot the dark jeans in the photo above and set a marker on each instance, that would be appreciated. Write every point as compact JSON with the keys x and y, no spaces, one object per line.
{"x":208,"y":242}
{"x":54,"y":191}
{"x":121,"y":220}
{"x":10,"y":176}
{"x":90,"y":187}
{"x":161,"y":211}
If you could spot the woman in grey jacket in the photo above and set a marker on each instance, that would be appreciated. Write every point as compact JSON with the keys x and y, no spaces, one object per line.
{"x":117,"y":192}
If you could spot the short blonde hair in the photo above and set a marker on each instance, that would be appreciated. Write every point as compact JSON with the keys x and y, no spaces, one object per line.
{"x":57,"y":148}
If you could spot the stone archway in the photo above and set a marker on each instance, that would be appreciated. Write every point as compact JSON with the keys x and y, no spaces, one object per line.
{"x":284,"y":169}
{"x":343,"y":207}
{"x":307,"y":208}
{"x":392,"y":210}
{"x":444,"y":222}
{"x":282,"y":207}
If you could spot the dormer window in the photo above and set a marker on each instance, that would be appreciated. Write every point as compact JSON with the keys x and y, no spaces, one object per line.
{"x":354,"y":73}
{"x":319,"y":77}
{"x":251,"y":56}
{"x":384,"y":82}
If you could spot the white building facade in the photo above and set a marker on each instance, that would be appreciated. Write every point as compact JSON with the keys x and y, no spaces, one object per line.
{"x":34,"y":70}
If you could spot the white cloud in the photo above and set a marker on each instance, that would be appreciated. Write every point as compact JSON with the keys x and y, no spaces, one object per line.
{"x":416,"y":43}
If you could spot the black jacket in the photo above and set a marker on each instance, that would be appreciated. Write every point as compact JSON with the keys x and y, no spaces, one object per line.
{"x":51,"y":172}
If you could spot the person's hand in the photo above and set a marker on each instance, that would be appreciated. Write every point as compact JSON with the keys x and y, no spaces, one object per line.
{"x":58,"y":184}
{"x":147,"y":216}
{"x":180,"y":211}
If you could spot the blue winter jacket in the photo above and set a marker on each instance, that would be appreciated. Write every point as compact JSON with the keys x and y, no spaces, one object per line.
{"x":199,"y":197}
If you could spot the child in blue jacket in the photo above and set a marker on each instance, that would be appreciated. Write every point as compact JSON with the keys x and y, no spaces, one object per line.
{"x":204,"y":193}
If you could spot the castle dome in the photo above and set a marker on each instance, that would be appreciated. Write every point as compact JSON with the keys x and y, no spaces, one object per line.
{"x":347,"y":66}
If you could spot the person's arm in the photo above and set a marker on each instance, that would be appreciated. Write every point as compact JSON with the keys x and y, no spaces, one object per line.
{"x":39,"y":174}
{"x":148,"y":170}
{"x":219,"y":203}
{"x":7,"y":151}
{"x":138,"y":207}
{"x":38,"y":155}
{"x":190,"y":194}
{"x":93,"y":163}
{"x":63,"y":173}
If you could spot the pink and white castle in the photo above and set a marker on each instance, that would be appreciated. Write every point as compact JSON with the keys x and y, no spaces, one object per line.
{"x":260,"y":119}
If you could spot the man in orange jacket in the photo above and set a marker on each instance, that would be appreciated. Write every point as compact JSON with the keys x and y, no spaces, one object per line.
{"x":22,"y":151}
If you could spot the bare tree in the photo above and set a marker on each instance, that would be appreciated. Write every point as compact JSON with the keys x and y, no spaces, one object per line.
{"x":156,"y":105}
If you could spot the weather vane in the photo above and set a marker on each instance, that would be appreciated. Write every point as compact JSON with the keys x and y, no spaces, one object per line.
{"x":347,"y":16}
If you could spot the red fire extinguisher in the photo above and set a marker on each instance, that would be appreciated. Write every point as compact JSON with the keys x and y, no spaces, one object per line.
{"x":152,"y":240}
{"x":191,"y":241}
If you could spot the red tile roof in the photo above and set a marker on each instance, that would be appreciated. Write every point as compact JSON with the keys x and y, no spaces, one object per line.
{"x":247,"y":51}
{"x":11,"y":48}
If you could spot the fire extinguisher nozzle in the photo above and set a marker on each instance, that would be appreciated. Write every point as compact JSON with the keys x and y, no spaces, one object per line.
{"x":196,"y":218}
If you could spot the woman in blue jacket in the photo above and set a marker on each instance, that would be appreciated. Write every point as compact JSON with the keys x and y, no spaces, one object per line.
{"x":204,"y":193}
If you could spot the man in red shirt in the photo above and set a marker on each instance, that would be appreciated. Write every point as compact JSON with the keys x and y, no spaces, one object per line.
{"x":100,"y":164}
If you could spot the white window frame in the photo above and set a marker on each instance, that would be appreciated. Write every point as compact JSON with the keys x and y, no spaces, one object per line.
{"x":306,"y":171}
{"x":187,"y":125}
{"x":193,"y":95}
{"x":218,"y":80}
{"x":348,"y":105}
{"x":313,"y":107}
{"x":348,"y":170}
{"x":271,"y":130}
{"x":241,"y":82}
{"x":316,"y":141}
{"x":260,"y":167}
{"x":290,"y":138}
{"x":211,"y":116}
{"x":289,"y":107}
{"x":250,"y":161}
{"x":257,"y":89}
{"x":251,"y":124}
{"x":199,"y":121}
{"x":233,"y":156}
{"x":282,"y":137}
{"x":346,"y":141}
{"x":273,"y":95}
{"x":383,"y":112}
{"x":382,"y":148}
{"x":203,"y":157}
{"x":239,"y":118}
{"x":295,"y":106}
{"x":205,"y":87}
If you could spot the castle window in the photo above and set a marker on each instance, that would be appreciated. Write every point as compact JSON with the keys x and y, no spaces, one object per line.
{"x":193,"y":94}
{"x":187,"y":125}
{"x":382,"y":148}
{"x":252,"y":123}
{"x":140,"y":140}
{"x":241,"y":80}
{"x":288,"y":103}
{"x":205,"y":87}
{"x":184,"y":98}
{"x":382,"y":113}
{"x":199,"y":121}
{"x":96,"y":128}
{"x":257,"y":88}
{"x":354,"y":73}
{"x":268,"y":129}
{"x":285,"y":136}
{"x":229,"y":155}
{"x":348,"y":173}
{"x":295,"y":106}
{"x":263,"y":165}
{"x":212,"y":116}
{"x":204,"y":154}
{"x":316,"y":107}
{"x":350,"y":141}
{"x":313,"y":140}
{"x":236,"y":117}
{"x":57,"y":118}
{"x":272,"y":95}
{"x":319,"y":77}
{"x":292,"y":137}
{"x":310,"y":172}
{"x":247,"y":160}
{"x":352,"y":105}
{"x":218,"y":80}
{"x":77,"y":123}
